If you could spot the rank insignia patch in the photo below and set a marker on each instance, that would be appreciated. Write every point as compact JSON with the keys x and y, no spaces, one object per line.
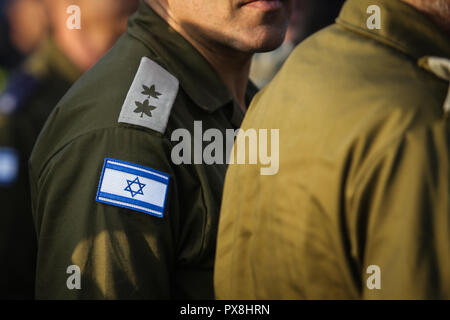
{"x":131,"y":186}
{"x":150,"y":98}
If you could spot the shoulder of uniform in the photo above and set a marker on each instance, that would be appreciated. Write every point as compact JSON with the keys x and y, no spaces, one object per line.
{"x":150,"y":98}
{"x":51,"y":146}
{"x":123,"y":89}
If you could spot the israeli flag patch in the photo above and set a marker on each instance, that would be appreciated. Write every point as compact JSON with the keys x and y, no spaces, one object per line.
{"x":9,"y":166}
{"x":132,"y":186}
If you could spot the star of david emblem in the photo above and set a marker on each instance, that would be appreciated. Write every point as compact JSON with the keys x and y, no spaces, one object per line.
{"x":136,"y":190}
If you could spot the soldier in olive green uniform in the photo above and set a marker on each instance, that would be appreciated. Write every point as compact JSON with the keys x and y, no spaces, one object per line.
{"x":25,"y":105}
{"x":360,"y":207}
{"x":107,"y":196}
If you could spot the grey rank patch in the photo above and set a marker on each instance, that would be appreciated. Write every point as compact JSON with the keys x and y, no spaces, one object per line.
{"x":150,"y":98}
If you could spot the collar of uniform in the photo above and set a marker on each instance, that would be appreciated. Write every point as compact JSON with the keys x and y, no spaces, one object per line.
{"x":197,"y":77}
{"x":50,"y":59}
{"x":252,"y":90}
{"x":237,"y":114}
{"x":402,"y":27}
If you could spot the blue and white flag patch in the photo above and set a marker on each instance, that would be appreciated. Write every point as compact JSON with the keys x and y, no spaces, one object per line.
{"x":9,"y":166}
{"x":132,"y":186}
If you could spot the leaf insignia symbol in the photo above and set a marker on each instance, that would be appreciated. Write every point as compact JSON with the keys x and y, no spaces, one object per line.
{"x":151,"y":92}
{"x":144,"y":107}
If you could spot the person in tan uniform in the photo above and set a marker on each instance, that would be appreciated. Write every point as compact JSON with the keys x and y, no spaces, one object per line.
{"x":360,"y":207}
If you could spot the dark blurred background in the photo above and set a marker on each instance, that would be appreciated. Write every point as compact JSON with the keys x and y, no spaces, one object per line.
{"x":40,"y":59}
{"x":23,"y":25}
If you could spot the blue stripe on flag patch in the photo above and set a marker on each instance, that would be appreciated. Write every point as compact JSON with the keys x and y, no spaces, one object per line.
{"x":128,"y":185}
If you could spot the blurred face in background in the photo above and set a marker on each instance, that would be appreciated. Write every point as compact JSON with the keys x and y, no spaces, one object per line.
{"x":27,"y":23}
{"x":243,"y":25}
{"x":102,"y":19}
{"x":101,"y":22}
{"x":107,"y":16}
{"x":297,"y":21}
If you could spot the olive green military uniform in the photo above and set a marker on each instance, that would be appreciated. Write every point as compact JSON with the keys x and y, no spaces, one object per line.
{"x":360,"y":206}
{"x":121,"y":114}
{"x":27,"y":101}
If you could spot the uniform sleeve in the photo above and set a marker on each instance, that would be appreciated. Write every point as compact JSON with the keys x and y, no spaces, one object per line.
{"x":122,"y":253}
{"x":401,"y":212}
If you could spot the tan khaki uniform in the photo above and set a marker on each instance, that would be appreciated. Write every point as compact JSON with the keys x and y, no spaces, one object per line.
{"x":363,"y":181}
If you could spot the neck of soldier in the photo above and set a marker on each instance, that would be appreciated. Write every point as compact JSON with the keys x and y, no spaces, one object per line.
{"x":232,"y":66}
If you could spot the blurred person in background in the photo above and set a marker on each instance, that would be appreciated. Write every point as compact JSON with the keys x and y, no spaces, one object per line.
{"x":23,"y":25}
{"x":33,"y":89}
{"x":309,"y":16}
{"x":28,"y":24}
